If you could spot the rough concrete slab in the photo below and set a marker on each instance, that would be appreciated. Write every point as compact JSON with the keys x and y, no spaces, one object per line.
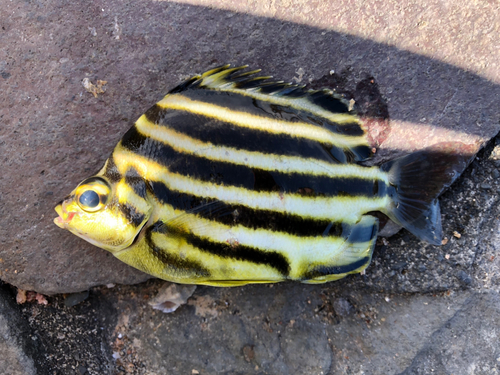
{"x":377,"y":323}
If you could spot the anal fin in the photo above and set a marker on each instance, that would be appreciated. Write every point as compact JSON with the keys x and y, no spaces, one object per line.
{"x":353,"y":257}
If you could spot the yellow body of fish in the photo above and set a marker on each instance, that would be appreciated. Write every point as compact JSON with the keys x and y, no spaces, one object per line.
{"x":234,"y":179}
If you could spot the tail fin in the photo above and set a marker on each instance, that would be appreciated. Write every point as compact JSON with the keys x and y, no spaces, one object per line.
{"x":416,"y":180}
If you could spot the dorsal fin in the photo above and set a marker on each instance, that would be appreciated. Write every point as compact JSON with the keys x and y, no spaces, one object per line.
{"x":225,"y":78}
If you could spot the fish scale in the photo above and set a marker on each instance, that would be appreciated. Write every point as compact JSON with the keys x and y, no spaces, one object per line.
{"x":233,"y":178}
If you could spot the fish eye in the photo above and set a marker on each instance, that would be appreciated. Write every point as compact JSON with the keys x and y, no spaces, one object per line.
{"x":92,"y":194}
{"x":89,"y":198}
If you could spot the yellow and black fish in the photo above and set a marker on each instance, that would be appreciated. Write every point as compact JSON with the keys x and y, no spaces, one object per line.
{"x":233,"y":178}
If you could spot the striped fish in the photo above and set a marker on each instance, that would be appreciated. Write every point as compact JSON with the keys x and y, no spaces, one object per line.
{"x":233,"y":178}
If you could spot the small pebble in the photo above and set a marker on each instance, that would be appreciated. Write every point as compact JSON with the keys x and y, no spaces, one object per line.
{"x":422,"y":268}
{"x":456,"y":234}
{"x":495,"y":173}
{"x":399,"y":266}
{"x":444,"y":241}
{"x":76,"y":298}
{"x":447,"y":256}
{"x":248,"y":353}
{"x":485,"y":186}
{"x":464,"y":277}
{"x":342,"y":307}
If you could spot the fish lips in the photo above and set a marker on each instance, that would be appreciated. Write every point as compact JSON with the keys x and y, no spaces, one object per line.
{"x":64,"y":217}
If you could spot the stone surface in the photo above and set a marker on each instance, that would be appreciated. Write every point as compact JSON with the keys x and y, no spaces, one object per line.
{"x":54,"y":133}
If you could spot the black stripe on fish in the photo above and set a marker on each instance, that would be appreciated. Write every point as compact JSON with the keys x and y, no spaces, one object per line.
{"x":229,"y":174}
{"x":132,"y":214}
{"x":135,"y":181}
{"x":264,"y":181}
{"x":187,"y":164}
{"x":221,"y":133}
{"x":173,"y":262}
{"x":247,"y":104}
{"x":335,"y":270}
{"x":291,"y":114}
{"x":251,"y":218}
{"x":242,"y":253}
{"x":111,"y":172}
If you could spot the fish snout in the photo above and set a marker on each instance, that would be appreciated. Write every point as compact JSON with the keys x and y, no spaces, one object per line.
{"x":64,"y":217}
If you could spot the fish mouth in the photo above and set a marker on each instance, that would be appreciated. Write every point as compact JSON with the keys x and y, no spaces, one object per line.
{"x":64,"y":218}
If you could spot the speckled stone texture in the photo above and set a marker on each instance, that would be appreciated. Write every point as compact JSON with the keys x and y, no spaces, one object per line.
{"x":434,"y":64}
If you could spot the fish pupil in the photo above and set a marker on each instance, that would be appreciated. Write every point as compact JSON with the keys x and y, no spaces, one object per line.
{"x":89,"y":198}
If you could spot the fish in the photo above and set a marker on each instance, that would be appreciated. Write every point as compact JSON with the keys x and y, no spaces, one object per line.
{"x":235,"y":178}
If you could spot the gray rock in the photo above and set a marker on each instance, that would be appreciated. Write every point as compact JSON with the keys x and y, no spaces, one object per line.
{"x":16,"y":346}
{"x":55,"y":133}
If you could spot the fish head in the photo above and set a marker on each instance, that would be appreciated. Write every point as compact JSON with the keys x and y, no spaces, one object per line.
{"x":98,"y":213}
